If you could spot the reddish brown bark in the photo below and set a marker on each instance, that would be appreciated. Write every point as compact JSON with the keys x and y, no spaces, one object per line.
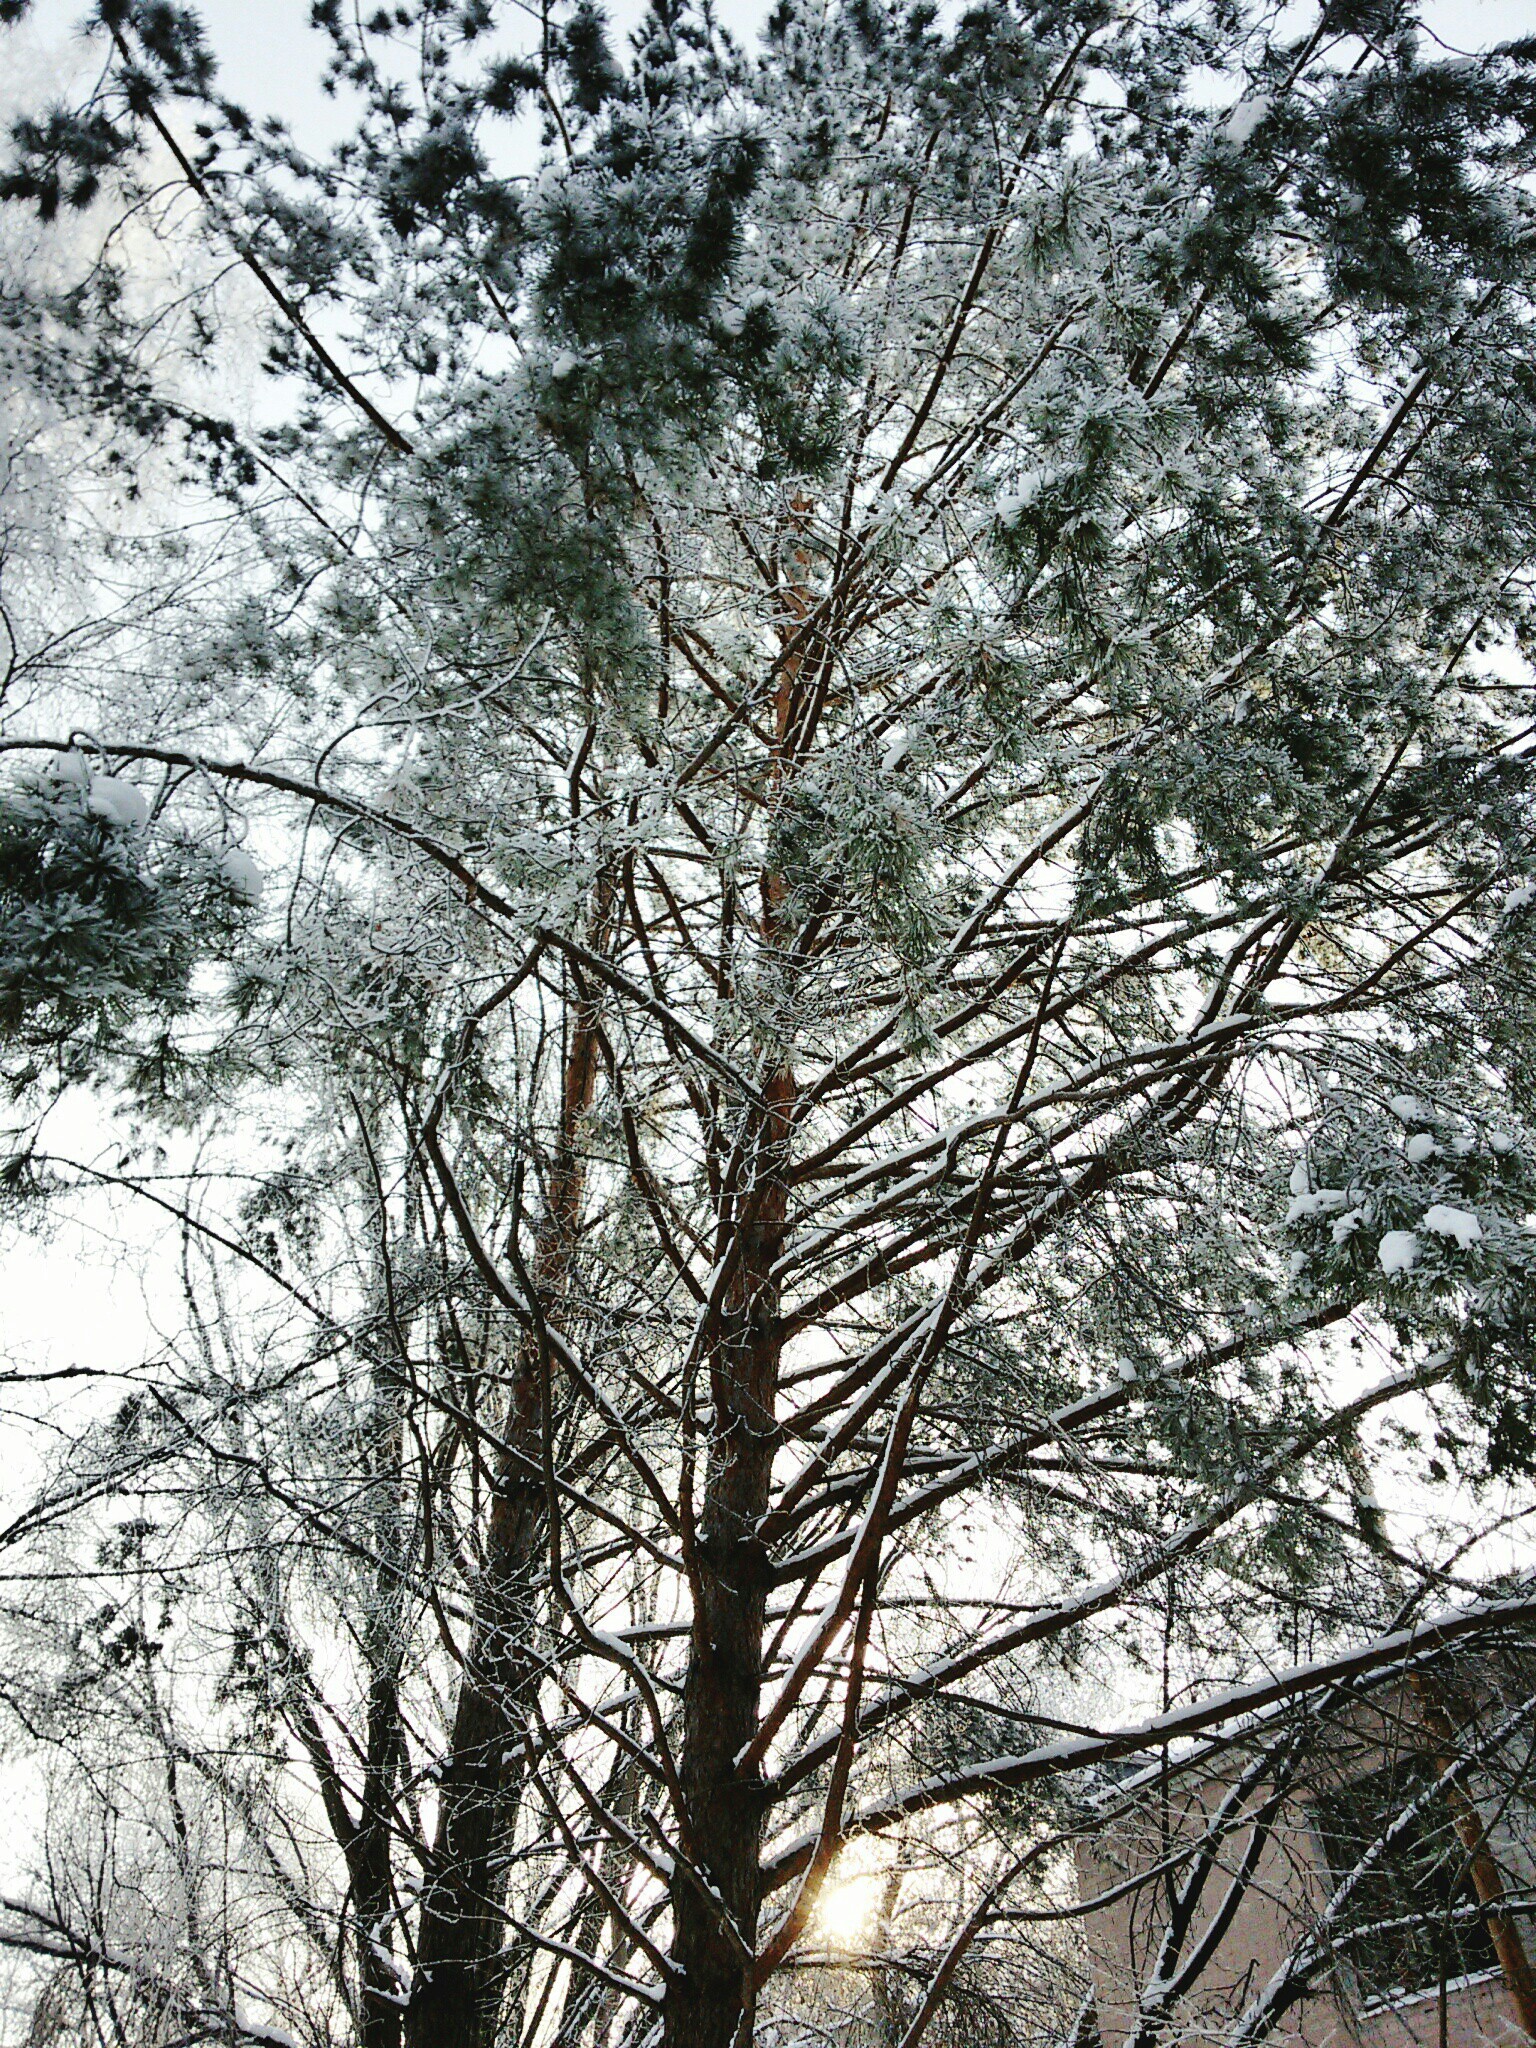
{"x":710,"y":2002}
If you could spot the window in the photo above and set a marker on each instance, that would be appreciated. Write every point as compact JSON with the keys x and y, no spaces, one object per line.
{"x":1413,"y":1916}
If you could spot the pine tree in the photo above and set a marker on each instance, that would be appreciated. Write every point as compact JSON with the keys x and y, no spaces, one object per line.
{"x":823,"y":859}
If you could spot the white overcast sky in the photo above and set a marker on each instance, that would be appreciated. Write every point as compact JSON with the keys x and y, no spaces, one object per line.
{"x":260,"y":41}
{"x":267,"y":52}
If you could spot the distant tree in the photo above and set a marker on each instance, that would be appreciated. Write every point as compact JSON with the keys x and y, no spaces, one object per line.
{"x":808,"y":889}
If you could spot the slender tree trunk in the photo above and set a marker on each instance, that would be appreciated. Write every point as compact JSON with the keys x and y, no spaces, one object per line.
{"x":372,"y":1865}
{"x":710,"y":2001}
{"x":371,"y":1857}
{"x":460,"y":1975}
{"x":456,"y":1997}
{"x":370,"y":1851}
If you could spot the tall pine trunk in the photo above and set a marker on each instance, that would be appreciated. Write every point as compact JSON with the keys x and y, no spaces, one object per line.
{"x":709,"y":2003}
{"x":460,"y":1979}
{"x":711,"y":2000}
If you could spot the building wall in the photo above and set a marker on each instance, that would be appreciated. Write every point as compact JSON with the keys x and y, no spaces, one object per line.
{"x":1287,"y":1885}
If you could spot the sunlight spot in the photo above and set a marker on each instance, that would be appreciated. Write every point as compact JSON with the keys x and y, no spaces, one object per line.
{"x":845,"y":1911}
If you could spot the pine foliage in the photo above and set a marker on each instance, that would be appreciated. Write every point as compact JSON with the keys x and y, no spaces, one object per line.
{"x":828,"y":812}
